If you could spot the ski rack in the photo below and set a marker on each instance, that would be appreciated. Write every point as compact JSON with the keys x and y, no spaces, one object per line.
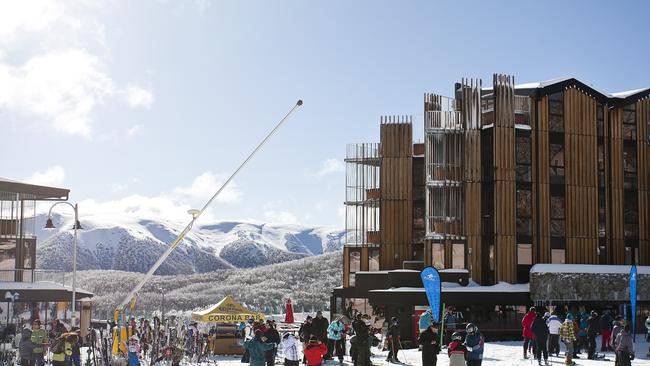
{"x":195,"y":215}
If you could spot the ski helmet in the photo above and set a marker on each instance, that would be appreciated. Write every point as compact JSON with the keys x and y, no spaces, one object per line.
{"x":456,"y":336}
{"x":471,"y":328}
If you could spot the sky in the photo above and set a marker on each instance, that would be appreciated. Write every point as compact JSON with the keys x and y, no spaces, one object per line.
{"x":145,"y":107}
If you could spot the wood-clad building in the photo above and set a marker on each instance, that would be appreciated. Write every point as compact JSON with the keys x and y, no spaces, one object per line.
{"x":509,"y":176}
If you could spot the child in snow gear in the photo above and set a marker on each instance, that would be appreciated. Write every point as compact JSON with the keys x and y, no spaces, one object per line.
{"x":567,"y":335}
{"x":290,"y":350}
{"x":335,"y":333}
{"x":624,"y":347}
{"x":429,"y":339}
{"x":474,"y":343}
{"x":526,"y":323}
{"x":540,"y":331}
{"x":40,"y":339}
{"x":554,"y":324}
{"x":456,"y":350}
{"x":315,"y":351}
{"x":393,"y":336}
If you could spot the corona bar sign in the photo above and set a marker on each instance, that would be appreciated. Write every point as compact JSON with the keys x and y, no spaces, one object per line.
{"x":226,"y":311}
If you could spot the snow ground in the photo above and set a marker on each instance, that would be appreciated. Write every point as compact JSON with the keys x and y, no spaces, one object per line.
{"x":496,"y":354}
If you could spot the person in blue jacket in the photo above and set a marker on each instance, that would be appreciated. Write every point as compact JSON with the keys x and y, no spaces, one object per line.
{"x":425,"y":321}
{"x":474,"y":344}
{"x":257,"y":348}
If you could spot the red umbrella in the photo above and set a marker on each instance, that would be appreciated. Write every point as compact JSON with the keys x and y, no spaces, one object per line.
{"x":288,"y":314}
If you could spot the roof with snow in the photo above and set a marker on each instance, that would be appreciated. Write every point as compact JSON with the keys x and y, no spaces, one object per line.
{"x":42,"y":291}
{"x":547,"y":87}
{"x":32,"y":191}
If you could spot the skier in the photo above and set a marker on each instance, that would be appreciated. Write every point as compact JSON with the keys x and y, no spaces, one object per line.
{"x":567,"y":335}
{"x":624,"y":347}
{"x":554,"y":324}
{"x":315,"y":351}
{"x":320,"y":325}
{"x":592,"y":332}
{"x":272,"y":336}
{"x":474,"y":343}
{"x":456,"y":350}
{"x":26,"y":347}
{"x":334,"y":339}
{"x":41,"y":341}
{"x":429,"y":339}
{"x":605,"y":324}
{"x":526,"y":323}
{"x":540,"y":331}
{"x":362,"y":341}
{"x":257,"y":348}
{"x":583,"y":343}
{"x":393,"y":336}
{"x":290,"y":350}
{"x":619,"y":324}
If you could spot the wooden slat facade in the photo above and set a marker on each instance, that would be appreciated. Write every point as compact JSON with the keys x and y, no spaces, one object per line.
{"x":617,"y":234}
{"x":643,"y":171}
{"x":504,"y":180}
{"x":541,"y":195}
{"x":396,"y":189}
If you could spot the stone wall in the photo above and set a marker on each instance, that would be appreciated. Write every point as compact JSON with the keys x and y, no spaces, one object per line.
{"x":586,"y":287}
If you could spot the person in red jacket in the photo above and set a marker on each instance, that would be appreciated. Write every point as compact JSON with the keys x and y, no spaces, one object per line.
{"x":526,"y":323}
{"x":314,"y":351}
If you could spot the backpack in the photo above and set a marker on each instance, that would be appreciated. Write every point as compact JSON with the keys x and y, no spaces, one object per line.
{"x":58,"y":346}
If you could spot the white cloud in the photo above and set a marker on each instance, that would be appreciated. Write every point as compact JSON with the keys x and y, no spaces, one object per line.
{"x":204,"y":186}
{"x":117,"y":187}
{"x":137,"y":96}
{"x":61,"y":77}
{"x":331,"y":166}
{"x":283,"y":217}
{"x":53,"y":176}
{"x":133,"y":131}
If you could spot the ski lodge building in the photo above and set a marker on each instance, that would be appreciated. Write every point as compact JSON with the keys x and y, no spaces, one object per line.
{"x":26,"y":291}
{"x":526,"y":194}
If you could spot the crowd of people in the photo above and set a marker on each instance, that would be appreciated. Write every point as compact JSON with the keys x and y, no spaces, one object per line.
{"x":542,"y":331}
{"x":35,"y":342}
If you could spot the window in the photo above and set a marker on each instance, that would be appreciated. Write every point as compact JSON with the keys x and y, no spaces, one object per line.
{"x":629,"y":122}
{"x":373,"y":259}
{"x":524,"y":203}
{"x":556,"y":112}
{"x":355,"y":265}
{"x":557,"y":207}
{"x":458,"y":255}
{"x":524,"y":254}
{"x":557,"y":256}
{"x":8,"y":254}
{"x":438,"y":255}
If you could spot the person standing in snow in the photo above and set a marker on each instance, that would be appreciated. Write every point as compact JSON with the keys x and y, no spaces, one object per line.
{"x":526,"y":323}
{"x":133,"y":347}
{"x":583,"y":342}
{"x":554,"y":324}
{"x":624,"y":347}
{"x":593,"y":329}
{"x":429,"y":340}
{"x":335,"y":333}
{"x":474,"y":343}
{"x":450,"y":324}
{"x":320,"y":325}
{"x":41,"y":341}
{"x":456,"y":350}
{"x":605,"y":324}
{"x":541,"y":332}
{"x":425,"y":321}
{"x":315,"y":351}
{"x":567,"y":335}
{"x":393,"y":335}
{"x":619,"y":324}
{"x":272,"y":336}
{"x":26,"y":347}
{"x":362,"y":341}
{"x":257,"y":348}
{"x":290,"y":350}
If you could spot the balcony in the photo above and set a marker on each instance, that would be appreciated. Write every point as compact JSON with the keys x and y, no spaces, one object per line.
{"x":31,"y":275}
{"x":443,"y":121}
{"x":522,"y":104}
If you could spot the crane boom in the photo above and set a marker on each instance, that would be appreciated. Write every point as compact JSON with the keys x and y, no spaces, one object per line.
{"x":196,"y":214}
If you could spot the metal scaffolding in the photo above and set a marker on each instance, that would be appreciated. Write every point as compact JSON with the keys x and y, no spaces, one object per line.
{"x":362,"y":194}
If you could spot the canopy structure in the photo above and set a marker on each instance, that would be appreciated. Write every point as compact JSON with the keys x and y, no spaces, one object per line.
{"x":226,"y":311}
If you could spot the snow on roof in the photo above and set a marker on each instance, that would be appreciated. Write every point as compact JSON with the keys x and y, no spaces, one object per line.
{"x":625,"y":94}
{"x":38,"y":285}
{"x":405,"y":270}
{"x":452,"y":270}
{"x":472,"y":287}
{"x":587,"y":268}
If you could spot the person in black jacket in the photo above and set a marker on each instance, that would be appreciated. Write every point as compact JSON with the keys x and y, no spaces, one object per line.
{"x":362,"y":341}
{"x":430,"y":341}
{"x":606,"y":324}
{"x":540,"y":331}
{"x":593,"y":328}
{"x":272,"y":336}
{"x":319,"y":327}
{"x":393,"y":336}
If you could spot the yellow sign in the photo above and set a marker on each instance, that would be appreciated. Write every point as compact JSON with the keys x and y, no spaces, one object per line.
{"x":226,"y":311}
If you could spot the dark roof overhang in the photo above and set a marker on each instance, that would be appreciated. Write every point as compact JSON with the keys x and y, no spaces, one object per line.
{"x":32,"y":191}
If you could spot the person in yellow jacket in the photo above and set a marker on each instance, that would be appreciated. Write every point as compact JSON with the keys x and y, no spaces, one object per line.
{"x":568,"y":336}
{"x":59,"y":350}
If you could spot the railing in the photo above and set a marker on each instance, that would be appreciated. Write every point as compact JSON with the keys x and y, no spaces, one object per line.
{"x":440,"y":120}
{"x":522,"y":104}
{"x":32,"y":275}
{"x":362,"y":151}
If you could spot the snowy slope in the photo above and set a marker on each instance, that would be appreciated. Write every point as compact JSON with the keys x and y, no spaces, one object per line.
{"x":133,"y":244}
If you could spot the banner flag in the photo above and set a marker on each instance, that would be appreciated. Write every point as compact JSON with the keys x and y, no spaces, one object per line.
{"x":432,"y":286}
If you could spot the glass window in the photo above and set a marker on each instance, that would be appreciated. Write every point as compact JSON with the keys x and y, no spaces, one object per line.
{"x":556,"y":154}
{"x":555,"y":123}
{"x":438,"y":255}
{"x":524,"y":173}
{"x":373,"y":259}
{"x":491,"y":257}
{"x":557,"y":227}
{"x":525,"y":254}
{"x":557,"y":256}
{"x":458,"y":253}
{"x":8,"y":255}
{"x":523,"y":150}
{"x":524,"y":226}
{"x":524,"y":203}
{"x":351,"y":279}
{"x":556,"y":107}
{"x":557,"y":207}
{"x":355,"y":261}
{"x":629,"y":158}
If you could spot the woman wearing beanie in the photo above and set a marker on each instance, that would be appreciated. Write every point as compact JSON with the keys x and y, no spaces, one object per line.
{"x":314,"y":351}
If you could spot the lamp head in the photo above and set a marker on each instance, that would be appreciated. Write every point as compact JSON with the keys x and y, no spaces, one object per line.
{"x":194,"y":212}
{"x":49,"y":224}
{"x":77,"y":225}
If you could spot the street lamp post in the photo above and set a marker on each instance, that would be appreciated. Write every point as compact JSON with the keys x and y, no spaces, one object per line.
{"x":77,"y":225}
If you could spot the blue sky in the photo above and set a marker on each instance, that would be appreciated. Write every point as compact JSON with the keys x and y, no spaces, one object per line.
{"x":155,"y":102}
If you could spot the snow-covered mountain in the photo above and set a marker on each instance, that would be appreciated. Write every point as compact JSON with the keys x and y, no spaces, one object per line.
{"x":129,"y":244}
